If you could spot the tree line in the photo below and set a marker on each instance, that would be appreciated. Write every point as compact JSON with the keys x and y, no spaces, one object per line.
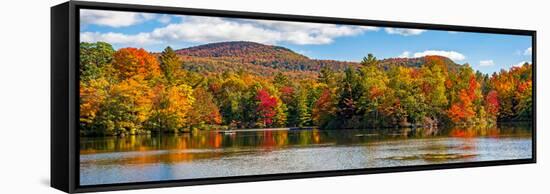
{"x":133,"y":91}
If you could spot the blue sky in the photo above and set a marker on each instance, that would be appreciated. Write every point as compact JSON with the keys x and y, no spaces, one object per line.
{"x":484,"y":52}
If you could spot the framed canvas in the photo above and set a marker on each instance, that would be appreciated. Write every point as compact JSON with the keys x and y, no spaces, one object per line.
{"x":149,"y":96}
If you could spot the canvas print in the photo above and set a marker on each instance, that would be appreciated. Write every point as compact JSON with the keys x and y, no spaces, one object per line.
{"x":181,"y":97}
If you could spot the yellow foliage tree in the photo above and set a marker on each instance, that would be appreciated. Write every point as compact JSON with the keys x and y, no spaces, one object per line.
{"x":92,"y":94}
{"x":172,"y":105}
{"x":130,"y":102}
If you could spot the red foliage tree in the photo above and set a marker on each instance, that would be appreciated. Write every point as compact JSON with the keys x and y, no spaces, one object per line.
{"x":492,"y":102}
{"x":472,"y":87}
{"x":266,"y":107}
{"x":323,"y":108}
{"x":286,"y":94}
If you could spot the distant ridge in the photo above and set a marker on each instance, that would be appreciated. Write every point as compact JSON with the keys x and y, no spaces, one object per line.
{"x":278,"y":57}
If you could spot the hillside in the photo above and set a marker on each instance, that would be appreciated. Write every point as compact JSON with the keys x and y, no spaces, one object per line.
{"x":259,"y":54}
{"x":248,"y":50}
{"x":263,"y":59}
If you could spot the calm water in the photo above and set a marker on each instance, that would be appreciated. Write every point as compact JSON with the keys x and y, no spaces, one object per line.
{"x":214,"y":154}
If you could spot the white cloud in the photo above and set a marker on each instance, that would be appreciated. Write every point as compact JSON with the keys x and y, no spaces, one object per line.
{"x":164,"y":19}
{"x":202,"y":29}
{"x":453,"y":55}
{"x":404,"y":31}
{"x":212,"y":29}
{"x":113,"y":18}
{"x":370,"y":28}
{"x":521,"y":63}
{"x":405,"y":54}
{"x":266,"y":31}
{"x":528,"y":51}
{"x":118,"y":38}
{"x":486,"y":63}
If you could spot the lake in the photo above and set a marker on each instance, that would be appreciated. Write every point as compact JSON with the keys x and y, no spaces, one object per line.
{"x":205,"y":154}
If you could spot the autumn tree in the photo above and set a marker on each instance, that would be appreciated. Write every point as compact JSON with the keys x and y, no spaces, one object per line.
{"x":266,"y":105}
{"x":492,"y":104}
{"x":92,"y":94}
{"x":324,"y":110}
{"x":132,"y":61}
{"x":433,"y":87}
{"x":462,"y":110}
{"x":409,"y":104}
{"x":280,"y":119}
{"x":375,"y":83}
{"x":233,"y":91}
{"x":328,"y":77}
{"x":171,"y":107}
{"x":130,"y":90}
{"x":349,"y":94}
{"x":467,"y":101}
{"x":524,"y":97}
{"x":203,"y":111}
{"x":93,"y":57}
{"x":514,"y":89}
{"x":170,"y":64}
{"x":281,"y":80}
{"x":126,"y":106}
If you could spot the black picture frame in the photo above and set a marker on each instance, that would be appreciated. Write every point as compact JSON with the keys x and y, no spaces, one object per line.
{"x":65,"y":98}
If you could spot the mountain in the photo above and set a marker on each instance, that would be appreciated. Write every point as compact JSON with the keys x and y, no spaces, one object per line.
{"x":259,"y":54}
{"x":241,"y":49}
{"x":264,"y":59}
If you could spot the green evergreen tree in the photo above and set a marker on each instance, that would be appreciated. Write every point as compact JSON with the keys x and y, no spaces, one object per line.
{"x":170,"y":63}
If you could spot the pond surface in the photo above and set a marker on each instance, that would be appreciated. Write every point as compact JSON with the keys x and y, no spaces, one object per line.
{"x":206,"y":154}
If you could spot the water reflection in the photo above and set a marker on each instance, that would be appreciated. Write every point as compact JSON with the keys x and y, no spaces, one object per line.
{"x":214,"y":153}
{"x":284,"y":138}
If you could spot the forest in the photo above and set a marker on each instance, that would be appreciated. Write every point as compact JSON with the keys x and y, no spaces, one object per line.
{"x":239,"y":85}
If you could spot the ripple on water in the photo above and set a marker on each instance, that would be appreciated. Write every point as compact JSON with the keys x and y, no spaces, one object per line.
{"x":433,"y":156}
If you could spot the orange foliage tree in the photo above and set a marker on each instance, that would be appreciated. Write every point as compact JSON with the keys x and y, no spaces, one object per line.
{"x":132,"y":90}
{"x":204,"y":110}
{"x":132,"y":61}
{"x":514,"y":89}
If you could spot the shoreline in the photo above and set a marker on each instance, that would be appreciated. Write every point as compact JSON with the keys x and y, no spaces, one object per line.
{"x":232,"y":131}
